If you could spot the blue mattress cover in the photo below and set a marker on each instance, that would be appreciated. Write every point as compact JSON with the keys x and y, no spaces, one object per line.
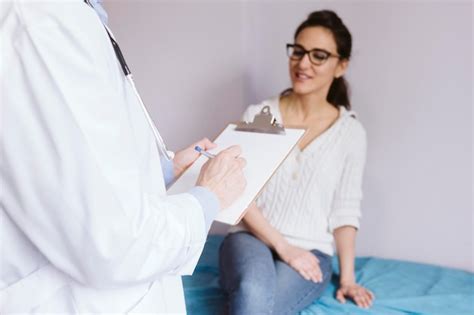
{"x":400,"y":288}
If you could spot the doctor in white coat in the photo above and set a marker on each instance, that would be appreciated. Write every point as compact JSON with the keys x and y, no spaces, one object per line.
{"x":86,"y":225}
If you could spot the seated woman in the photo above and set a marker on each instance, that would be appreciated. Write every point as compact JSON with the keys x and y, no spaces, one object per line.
{"x":278,"y":260}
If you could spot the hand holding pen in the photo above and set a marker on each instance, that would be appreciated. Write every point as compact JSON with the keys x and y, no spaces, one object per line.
{"x":183,"y":159}
{"x":203,"y":152}
{"x":223,"y":174}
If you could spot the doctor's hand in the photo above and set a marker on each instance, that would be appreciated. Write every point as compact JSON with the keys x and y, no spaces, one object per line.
{"x":223,"y":175}
{"x":185,"y":158}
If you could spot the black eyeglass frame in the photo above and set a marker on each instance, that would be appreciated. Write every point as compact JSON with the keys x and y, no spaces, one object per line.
{"x":292,"y":46}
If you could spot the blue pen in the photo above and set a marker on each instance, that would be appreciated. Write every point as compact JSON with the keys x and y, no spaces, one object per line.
{"x":206,"y":154}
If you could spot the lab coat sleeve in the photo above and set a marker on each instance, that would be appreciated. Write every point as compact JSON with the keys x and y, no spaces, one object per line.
{"x":206,"y":198}
{"x":209,"y":202}
{"x":168,"y":171}
{"x":77,"y":166}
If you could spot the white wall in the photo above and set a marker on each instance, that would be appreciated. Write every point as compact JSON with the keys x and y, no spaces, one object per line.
{"x":198,"y":64}
{"x":187,"y":62}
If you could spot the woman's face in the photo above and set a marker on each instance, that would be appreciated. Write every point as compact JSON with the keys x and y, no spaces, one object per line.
{"x":308,"y":78}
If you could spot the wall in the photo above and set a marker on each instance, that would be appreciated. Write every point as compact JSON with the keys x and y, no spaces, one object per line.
{"x":187,"y":61}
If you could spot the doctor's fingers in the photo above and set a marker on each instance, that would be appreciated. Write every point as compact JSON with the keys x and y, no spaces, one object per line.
{"x":235,"y":177}
{"x":233,"y":165}
{"x":231,"y":152}
{"x":238,"y":163}
{"x":205,"y":143}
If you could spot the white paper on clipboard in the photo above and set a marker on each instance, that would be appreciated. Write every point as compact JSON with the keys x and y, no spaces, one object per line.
{"x":264,"y":154}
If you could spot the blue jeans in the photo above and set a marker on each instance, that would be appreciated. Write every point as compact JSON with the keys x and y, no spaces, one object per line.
{"x":258,"y":282}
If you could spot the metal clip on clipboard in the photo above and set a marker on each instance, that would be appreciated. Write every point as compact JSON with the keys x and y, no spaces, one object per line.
{"x":264,"y":122}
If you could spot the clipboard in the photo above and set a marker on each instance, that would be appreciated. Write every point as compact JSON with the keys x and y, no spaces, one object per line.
{"x":265,"y":145}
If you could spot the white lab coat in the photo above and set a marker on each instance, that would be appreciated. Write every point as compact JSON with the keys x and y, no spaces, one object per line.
{"x":86,"y":225}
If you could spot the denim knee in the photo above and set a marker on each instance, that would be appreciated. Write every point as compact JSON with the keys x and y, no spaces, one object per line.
{"x":252,"y":297}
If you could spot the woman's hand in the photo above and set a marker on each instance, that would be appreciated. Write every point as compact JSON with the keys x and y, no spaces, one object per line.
{"x":185,"y":158}
{"x":303,"y":261}
{"x":360,"y":295}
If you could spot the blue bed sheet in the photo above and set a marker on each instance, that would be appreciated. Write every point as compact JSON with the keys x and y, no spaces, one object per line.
{"x":400,"y":288}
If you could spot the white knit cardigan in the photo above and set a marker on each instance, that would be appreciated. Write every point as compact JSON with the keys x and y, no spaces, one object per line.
{"x":318,"y":189}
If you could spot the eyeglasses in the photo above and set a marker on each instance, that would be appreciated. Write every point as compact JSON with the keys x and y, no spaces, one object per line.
{"x":316,"y":56}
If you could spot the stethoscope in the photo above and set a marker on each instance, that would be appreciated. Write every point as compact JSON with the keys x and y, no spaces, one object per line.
{"x":128,"y":74}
